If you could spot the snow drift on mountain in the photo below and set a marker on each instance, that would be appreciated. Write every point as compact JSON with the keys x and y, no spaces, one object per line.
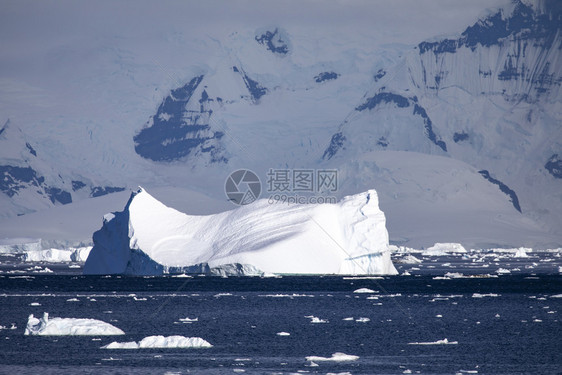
{"x":148,"y":237}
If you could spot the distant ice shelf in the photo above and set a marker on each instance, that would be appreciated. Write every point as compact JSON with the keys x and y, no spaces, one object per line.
{"x":149,"y":238}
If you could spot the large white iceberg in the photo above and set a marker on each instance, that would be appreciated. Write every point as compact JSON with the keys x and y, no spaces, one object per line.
{"x":69,"y":327}
{"x":149,"y":238}
{"x":161,"y":342}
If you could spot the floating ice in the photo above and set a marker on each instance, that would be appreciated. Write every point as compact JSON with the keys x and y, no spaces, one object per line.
{"x":161,"y":342}
{"x":283,"y":334}
{"x":315,"y":319}
{"x":188,"y":320}
{"x":149,"y":238}
{"x":337,"y":357}
{"x":438,"y":342}
{"x":363,"y":320}
{"x":408,"y":259}
{"x":364,"y":290}
{"x":444,"y":249}
{"x":478,"y":295}
{"x":69,"y":327}
{"x":450,"y":275}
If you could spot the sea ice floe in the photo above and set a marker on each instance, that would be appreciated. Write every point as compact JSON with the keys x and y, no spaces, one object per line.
{"x":444,"y":249}
{"x":315,"y":319}
{"x":408,"y":259}
{"x":46,"y":326}
{"x":503,"y":271}
{"x":438,"y":342}
{"x":222,"y":295}
{"x":161,"y":342}
{"x":336,"y":357}
{"x":364,"y":290}
{"x":283,"y":334}
{"x":188,"y":320}
{"x":285,"y":295}
{"x":478,"y":295}
{"x":450,"y":275}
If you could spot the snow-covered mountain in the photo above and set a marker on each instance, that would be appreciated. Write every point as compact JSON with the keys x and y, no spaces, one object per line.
{"x":29,"y":182}
{"x":460,"y":135}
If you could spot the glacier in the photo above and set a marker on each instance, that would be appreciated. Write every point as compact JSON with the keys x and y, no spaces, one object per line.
{"x":149,"y":238}
{"x":46,"y":326}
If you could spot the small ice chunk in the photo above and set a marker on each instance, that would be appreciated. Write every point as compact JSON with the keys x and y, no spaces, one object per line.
{"x":188,"y":320}
{"x":72,"y":300}
{"x":503,"y":271}
{"x":34,"y":304}
{"x":349,"y":318}
{"x":283,"y":334}
{"x":363,"y":320}
{"x":364,"y":290}
{"x":478,"y":295}
{"x":222,"y":295}
{"x":438,"y":342}
{"x":444,"y":248}
{"x":315,"y":319}
{"x":408,"y":259}
{"x":161,"y":342}
{"x":336,"y":357}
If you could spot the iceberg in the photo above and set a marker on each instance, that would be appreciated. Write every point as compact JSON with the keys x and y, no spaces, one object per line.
{"x":161,"y":342}
{"x":149,"y":238}
{"x":69,"y":327}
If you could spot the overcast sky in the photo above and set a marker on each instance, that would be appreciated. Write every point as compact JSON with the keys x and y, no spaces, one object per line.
{"x":25,"y":23}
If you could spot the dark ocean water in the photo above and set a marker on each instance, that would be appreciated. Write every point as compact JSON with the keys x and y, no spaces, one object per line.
{"x":511,"y":325}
